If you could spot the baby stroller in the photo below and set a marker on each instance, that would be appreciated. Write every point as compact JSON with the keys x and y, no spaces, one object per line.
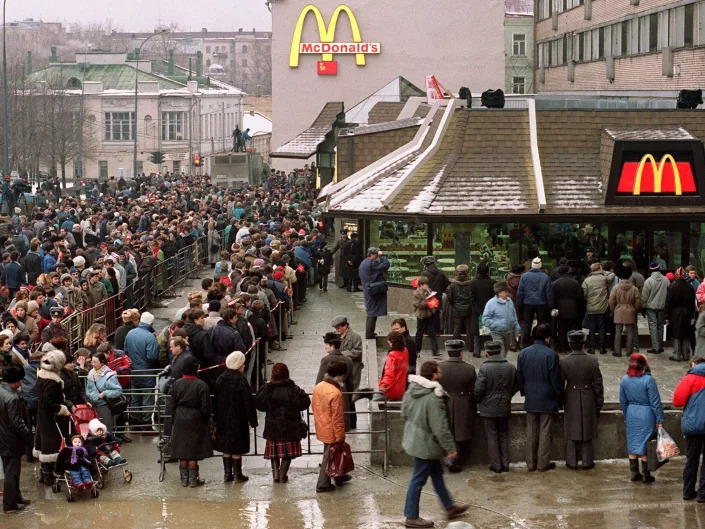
{"x":80,"y":419}
{"x":61,"y":468}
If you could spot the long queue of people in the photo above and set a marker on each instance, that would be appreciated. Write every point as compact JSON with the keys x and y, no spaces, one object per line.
{"x":79,"y":251}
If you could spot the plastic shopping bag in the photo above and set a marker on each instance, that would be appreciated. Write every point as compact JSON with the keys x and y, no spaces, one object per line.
{"x":340,"y":460}
{"x":665,"y":446}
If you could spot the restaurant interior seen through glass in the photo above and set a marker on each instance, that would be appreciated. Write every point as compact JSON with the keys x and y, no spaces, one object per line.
{"x":503,"y":245}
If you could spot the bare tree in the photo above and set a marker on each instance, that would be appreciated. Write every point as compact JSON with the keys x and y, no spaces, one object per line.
{"x":166,"y":41}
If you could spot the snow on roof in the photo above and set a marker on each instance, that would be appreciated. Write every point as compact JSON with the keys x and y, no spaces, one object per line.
{"x":257,"y":123}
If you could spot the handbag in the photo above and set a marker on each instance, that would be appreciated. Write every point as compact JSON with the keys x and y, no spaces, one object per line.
{"x":304,"y":428}
{"x":117,"y":405}
{"x":340,"y":460}
{"x":377,"y":288}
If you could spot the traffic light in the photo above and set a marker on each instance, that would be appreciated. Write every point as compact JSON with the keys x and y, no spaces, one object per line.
{"x":197,"y":160}
{"x":157,"y":157}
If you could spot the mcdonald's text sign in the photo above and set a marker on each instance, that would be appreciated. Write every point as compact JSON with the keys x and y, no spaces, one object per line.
{"x":327,"y":47}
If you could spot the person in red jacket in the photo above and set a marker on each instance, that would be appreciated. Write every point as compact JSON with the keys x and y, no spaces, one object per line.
{"x":690,"y":394}
{"x":396,"y":367}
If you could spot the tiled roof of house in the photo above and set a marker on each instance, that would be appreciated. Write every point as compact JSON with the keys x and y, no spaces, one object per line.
{"x":113,"y":76}
{"x":385,"y":111}
{"x":305,"y":144}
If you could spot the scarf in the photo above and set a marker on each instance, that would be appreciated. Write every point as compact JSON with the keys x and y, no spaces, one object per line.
{"x":98,"y":373}
{"x":74,"y":454}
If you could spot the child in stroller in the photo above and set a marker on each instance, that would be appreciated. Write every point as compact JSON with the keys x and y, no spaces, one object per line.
{"x":103,"y":445}
{"x":78,"y":464}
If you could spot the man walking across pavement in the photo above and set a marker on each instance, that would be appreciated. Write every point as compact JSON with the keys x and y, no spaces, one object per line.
{"x":350,"y":346}
{"x":583,"y":400}
{"x":534,"y":299}
{"x":458,"y":380}
{"x":625,"y":303}
{"x":15,"y":433}
{"x":496,"y":385}
{"x":428,"y":439}
{"x":539,"y":376}
{"x":374,"y":287}
{"x":501,"y":318}
{"x":653,"y":297}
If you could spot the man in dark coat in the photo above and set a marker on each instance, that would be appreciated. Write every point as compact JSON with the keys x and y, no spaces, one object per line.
{"x":15,"y":433}
{"x":343,"y":245}
{"x":482,"y":290}
{"x":460,"y":301}
{"x":332,"y":344}
{"x":198,"y":338}
{"x":539,"y":376}
{"x":496,"y":385}
{"x":584,"y":397}
{"x":33,"y":264}
{"x":680,"y":311}
{"x":371,"y":272}
{"x":458,"y":379}
{"x":569,"y":300}
{"x":354,"y":259}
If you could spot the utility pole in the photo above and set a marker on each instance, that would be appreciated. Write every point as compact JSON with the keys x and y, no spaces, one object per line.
{"x":6,"y":134}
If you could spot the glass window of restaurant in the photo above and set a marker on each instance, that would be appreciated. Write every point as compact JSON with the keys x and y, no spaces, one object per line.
{"x":405,"y":242}
{"x":697,"y":247}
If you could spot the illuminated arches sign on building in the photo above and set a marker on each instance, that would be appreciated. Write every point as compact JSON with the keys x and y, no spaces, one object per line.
{"x":661,"y":173}
{"x":327,"y":47}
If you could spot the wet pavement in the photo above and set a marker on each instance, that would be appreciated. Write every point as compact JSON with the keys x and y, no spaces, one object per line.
{"x":561,"y":499}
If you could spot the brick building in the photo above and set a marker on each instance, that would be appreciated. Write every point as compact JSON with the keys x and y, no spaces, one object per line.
{"x":611,"y":45}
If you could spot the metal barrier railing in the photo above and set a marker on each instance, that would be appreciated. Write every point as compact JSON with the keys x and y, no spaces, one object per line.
{"x":163,"y":429}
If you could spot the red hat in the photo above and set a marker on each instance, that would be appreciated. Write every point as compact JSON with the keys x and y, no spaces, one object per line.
{"x":278,"y":275}
{"x":670,"y":276}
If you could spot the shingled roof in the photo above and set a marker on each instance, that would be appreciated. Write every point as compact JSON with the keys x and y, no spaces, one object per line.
{"x":305,"y":144}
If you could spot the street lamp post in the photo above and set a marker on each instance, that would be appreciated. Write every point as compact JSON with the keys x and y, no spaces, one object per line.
{"x":6,"y":134}
{"x":137,"y":71}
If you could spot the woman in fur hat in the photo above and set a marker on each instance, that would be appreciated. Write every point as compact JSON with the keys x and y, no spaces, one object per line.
{"x":52,"y":414}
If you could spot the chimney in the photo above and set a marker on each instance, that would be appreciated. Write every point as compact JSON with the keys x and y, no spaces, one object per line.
{"x":204,"y":30}
{"x":29,"y":62}
{"x":189,"y":68}
{"x":239,"y":30}
{"x":199,"y":64}
{"x":53,"y":57}
{"x":254,"y":31}
{"x":170,"y":68}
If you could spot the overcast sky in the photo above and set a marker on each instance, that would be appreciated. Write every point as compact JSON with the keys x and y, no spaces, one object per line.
{"x":145,"y":15}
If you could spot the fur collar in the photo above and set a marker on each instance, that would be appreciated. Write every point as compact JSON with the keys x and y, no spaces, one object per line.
{"x":428,"y":384}
{"x":49,"y":375}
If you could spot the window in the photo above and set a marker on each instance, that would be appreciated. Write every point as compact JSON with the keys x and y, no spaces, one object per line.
{"x":404,"y":243}
{"x":173,"y":125}
{"x":119,"y":126}
{"x":601,"y":43}
{"x":244,"y":48}
{"x":244,"y":62}
{"x":208,"y":49}
{"x":625,"y":38}
{"x":208,"y":62}
{"x":689,"y":28}
{"x":140,"y":166}
{"x":103,"y":169}
{"x":518,"y":85}
{"x":653,"y":32}
{"x":519,"y":44}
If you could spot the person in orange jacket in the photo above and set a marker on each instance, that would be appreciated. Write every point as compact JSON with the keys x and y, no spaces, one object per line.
{"x":328,"y":411}
{"x":396,"y":367}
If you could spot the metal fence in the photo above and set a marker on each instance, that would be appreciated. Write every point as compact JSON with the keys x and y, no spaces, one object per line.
{"x":161,"y":282}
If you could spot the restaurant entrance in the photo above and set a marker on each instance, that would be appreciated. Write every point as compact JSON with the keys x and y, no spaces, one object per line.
{"x":667,"y":242}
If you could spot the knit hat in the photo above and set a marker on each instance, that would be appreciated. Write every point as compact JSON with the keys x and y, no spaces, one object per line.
{"x":625,"y":272}
{"x":654,"y":265}
{"x":94,"y":425}
{"x":501,"y":286}
{"x":536,"y":263}
{"x":53,"y":361}
{"x":79,"y":261}
{"x":258,"y":262}
{"x":670,"y":276}
{"x":638,"y":365}
{"x":462,"y":270}
{"x":32,"y":306}
{"x":680,"y":273}
{"x":428,"y":260}
{"x":213,"y":305}
{"x":21,"y":305}
{"x":235,"y":360}
{"x":278,"y":275}
{"x":147,"y":317}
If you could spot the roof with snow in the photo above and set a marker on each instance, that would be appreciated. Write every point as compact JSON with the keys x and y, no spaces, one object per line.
{"x":477,"y":162}
{"x":305,"y":144}
{"x":256,"y":122}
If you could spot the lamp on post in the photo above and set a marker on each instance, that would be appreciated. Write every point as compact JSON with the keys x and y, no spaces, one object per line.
{"x":137,"y":71}
{"x":6,"y":135}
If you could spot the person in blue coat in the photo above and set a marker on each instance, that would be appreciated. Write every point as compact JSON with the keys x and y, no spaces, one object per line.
{"x":143,"y":349}
{"x":641,"y":404}
{"x":534,"y":298}
{"x":539,"y":377}
{"x":374,"y":287}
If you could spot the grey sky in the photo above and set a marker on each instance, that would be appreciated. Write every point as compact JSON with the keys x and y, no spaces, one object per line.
{"x":145,"y":15}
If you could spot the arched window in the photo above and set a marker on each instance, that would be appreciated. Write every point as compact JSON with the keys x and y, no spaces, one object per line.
{"x":73,"y":84}
{"x":244,"y":48}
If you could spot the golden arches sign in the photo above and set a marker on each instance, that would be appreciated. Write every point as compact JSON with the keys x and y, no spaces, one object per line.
{"x":326,"y":33}
{"x":658,"y":173}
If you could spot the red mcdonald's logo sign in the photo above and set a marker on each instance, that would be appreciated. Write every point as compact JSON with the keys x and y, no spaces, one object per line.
{"x":667,"y":177}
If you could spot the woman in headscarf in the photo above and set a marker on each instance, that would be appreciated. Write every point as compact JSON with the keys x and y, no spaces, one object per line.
{"x":190,"y":412}
{"x":282,"y":401}
{"x":234,"y":412}
{"x":641,"y":404}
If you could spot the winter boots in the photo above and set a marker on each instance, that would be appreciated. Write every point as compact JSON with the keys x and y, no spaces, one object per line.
{"x":275,"y":469}
{"x":648,"y":478}
{"x":184,"y":476}
{"x":237,"y":467}
{"x":283,"y":470}
{"x":193,"y":478}
{"x":228,"y":470}
{"x":634,"y":468}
